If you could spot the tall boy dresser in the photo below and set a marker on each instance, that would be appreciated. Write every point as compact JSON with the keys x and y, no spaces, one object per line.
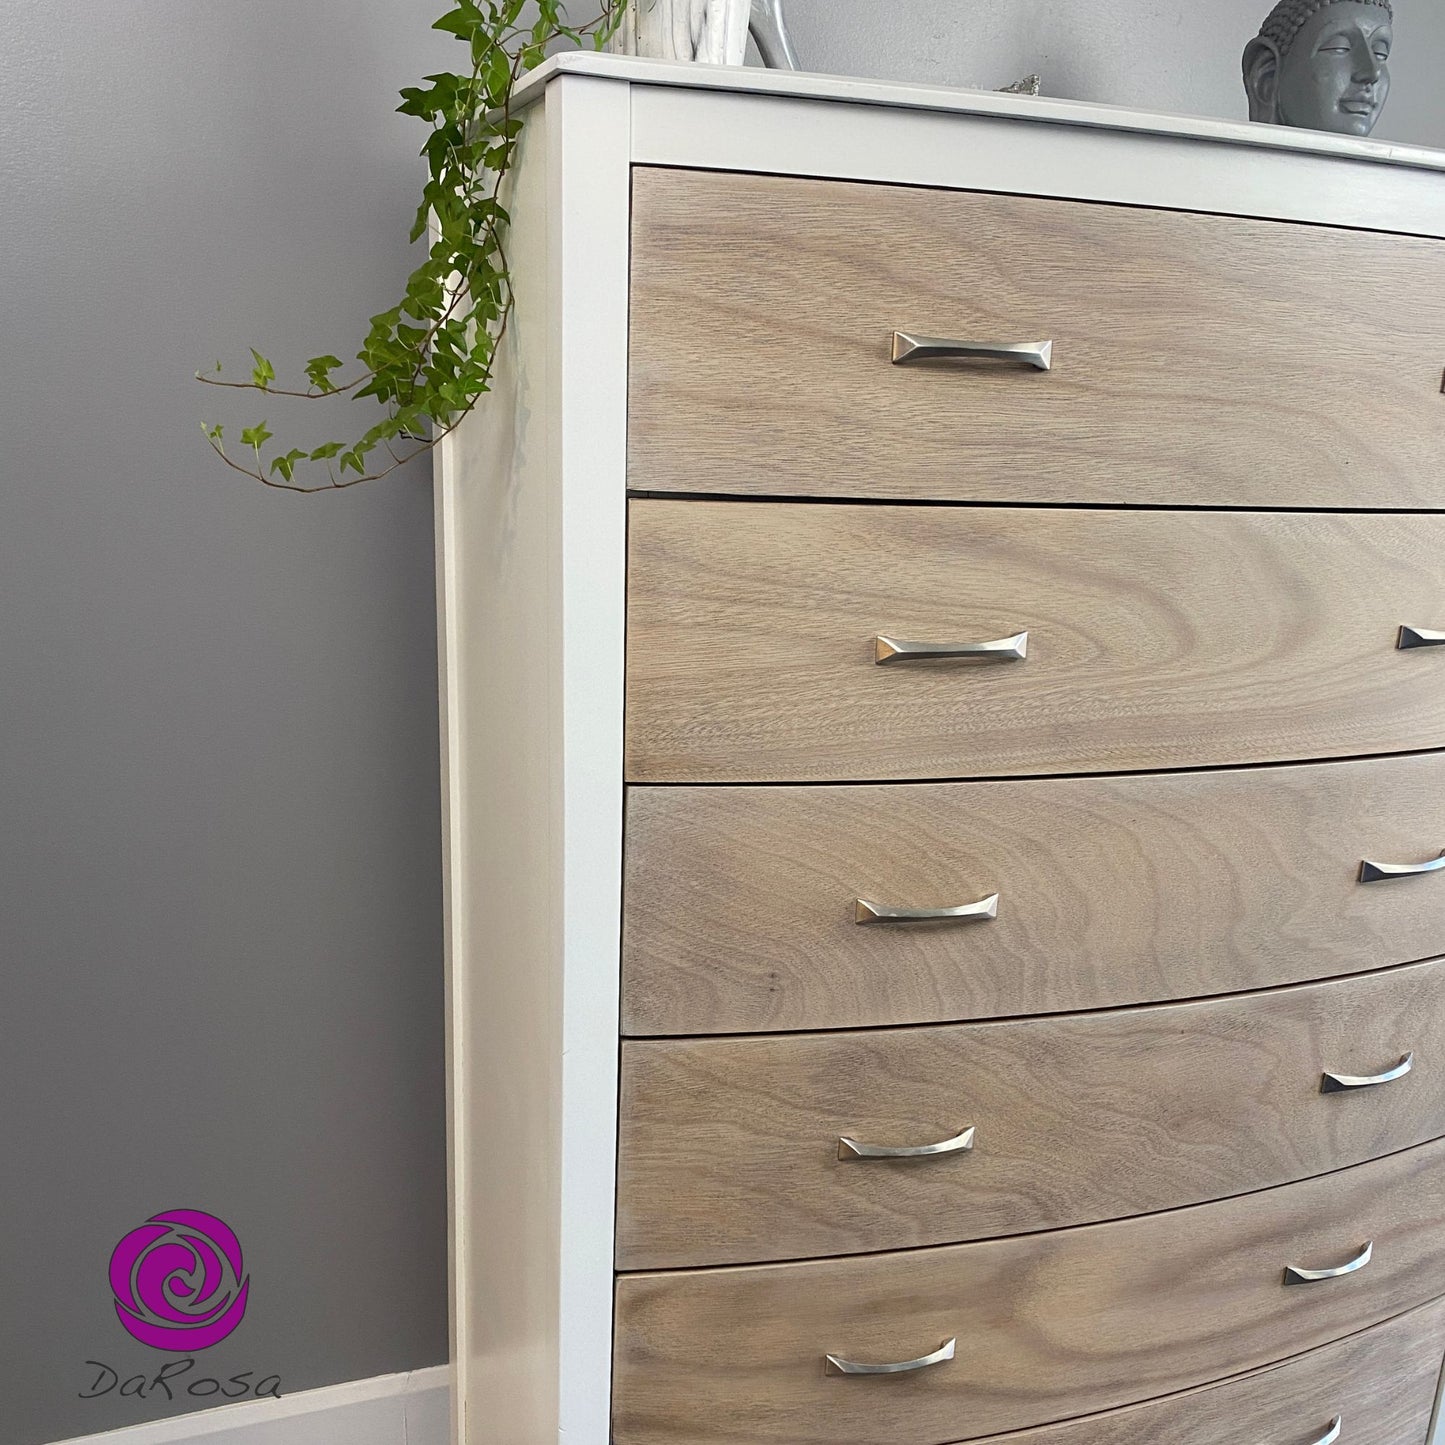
{"x":944,"y":746}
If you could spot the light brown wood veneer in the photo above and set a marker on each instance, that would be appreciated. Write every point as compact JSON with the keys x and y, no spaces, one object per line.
{"x":1156,"y":640}
{"x":741,"y":901}
{"x":1049,"y":1326}
{"x":1381,"y":1382}
{"x":729,"y":1147}
{"x":1198,"y":359}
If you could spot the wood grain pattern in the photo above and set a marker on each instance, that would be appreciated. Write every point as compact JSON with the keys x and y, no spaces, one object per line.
{"x":1157,"y":639}
{"x":1049,"y":1326}
{"x":1381,"y":1381}
{"x":1198,"y":359}
{"x":729,"y":1147}
{"x":1119,"y":890}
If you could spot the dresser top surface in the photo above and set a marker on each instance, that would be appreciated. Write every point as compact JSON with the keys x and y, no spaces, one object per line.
{"x":1031,"y":110}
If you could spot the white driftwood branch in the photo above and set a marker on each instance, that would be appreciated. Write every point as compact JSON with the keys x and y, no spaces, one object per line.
{"x":712,"y":31}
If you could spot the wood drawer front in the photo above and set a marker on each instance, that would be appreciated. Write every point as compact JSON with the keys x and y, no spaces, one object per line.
{"x":1156,"y":640}
{"x":1380,"y":1383}
{"x":1049,"y":1326}
{"x":742,"y":902}
{"x":1197,"y":359}
{"x":730,"y":1147}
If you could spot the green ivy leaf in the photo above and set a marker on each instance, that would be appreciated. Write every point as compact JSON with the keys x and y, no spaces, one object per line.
{"x":285,"y":466}
{"x":318,"y":372}
{"x":464,"y":22}
{"x":263,"y":373}
{"x":256,"y":436}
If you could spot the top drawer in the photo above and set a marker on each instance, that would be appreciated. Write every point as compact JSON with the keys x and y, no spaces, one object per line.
{"x":1198,"y":360}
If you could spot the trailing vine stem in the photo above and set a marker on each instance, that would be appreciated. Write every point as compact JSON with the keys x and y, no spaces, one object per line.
{"x":429,"y":358}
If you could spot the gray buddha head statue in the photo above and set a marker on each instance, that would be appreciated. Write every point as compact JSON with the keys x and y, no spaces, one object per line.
{"x":1321,"y":65}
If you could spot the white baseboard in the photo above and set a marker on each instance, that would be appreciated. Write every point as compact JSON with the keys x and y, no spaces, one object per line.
{"x":408,"y":1409}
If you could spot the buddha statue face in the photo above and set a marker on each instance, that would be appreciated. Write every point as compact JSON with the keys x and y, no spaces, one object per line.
{"x":1321,"y":65}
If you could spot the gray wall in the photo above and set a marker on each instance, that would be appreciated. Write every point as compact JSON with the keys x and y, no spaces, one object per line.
{"x":220,"y":981}
{"x":220,"y":948}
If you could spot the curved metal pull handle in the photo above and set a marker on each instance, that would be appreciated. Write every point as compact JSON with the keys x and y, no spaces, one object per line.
{"x":1419,"y":637}
{"x":959,"y":1144}
{"x":1382,"y":872}
{"x":1294,"y":1275}
{"x":836,"y":1366}
{"x":985,"y":910}
{"x":1333,"y":1433}
{"x":908,"y":349}
{"x":1005,"y":649}
{"x":1338,"y":1083}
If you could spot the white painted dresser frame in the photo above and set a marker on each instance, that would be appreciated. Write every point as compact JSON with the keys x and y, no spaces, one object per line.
{"x":531,"y":594}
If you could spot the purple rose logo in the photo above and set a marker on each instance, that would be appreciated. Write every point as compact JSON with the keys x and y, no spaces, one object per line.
{"x":177,"y":1281}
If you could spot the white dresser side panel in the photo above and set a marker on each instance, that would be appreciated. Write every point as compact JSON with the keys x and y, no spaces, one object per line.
{"x":720,"y":130}
{"x":500,"y":635}
{"x":589,"y":128}
{"x":531,"y":536}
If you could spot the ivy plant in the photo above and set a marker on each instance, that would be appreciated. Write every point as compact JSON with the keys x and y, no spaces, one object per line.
{"x":427,"y":360}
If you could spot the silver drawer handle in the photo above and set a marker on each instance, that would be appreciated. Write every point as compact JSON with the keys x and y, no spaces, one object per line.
{"x":959,"y":1144}
{"x":1005,"y":649}
{"x":1295,"y":1275}
{"x":983,"y":911}
{"x":836,"y":1366}
{"x":1338,"y":1083}
{"x":908,"y":349}
{"x":1333,"y":1433}
{"x":1419,"y":637}
{"x":1382,"y":872}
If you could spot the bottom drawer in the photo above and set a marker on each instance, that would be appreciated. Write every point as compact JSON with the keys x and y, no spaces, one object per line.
{"x":1379,"y":1387}
{"x":1048,"y":1327}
